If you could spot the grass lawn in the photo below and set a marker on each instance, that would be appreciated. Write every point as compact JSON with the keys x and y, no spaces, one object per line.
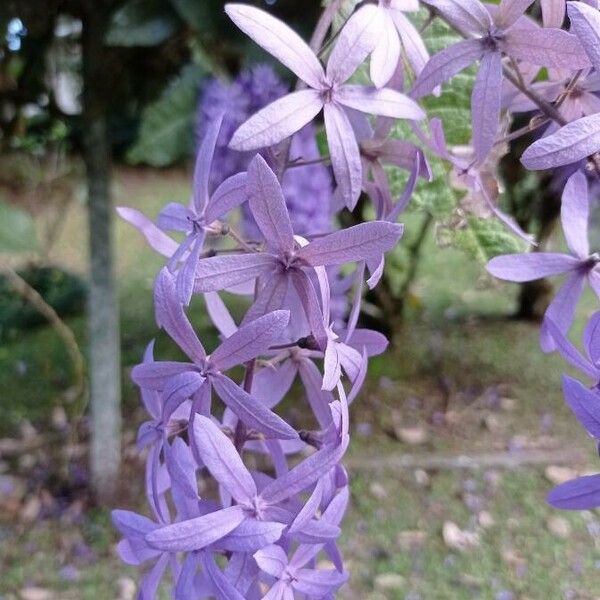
{"x":461,"y":378}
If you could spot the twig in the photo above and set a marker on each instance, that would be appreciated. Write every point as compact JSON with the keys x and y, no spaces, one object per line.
{"x":488,"y":460}
{"x":66,"y":334}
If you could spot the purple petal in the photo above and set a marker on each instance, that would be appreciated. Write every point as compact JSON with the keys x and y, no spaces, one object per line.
{"x":271,"y":384}
{"x":585,"y":22}
{"x":175,"y":217}
{"x":584,"y":403}
{"x":171,"y":316}
{"x":445,"y":64}
{"x":187,"y":273}
{"x":318,"y":398}
{"x":356,"y":243}
{"x":195,"y":534}
{"x":229,"y":195}
{"x":250,"y":340}
{"x":151,"y":581}
{"x":570,"y":144}
{"x":203,"y":164}
{"x":470,"y":16}
{"x":574,"y":214}
{"x":356,"y":41}
{"x":157,"y":239}
{"x":383,"y":102}
{"x":345,"y":154}
{"x":179,"y":389}
{"x":310,"y":303}
{"x":222,"y":588}
{"x":415,"y":49}
{"x":578,"y":494}
{"x":569,"y":352}
{"x":486,"y":103}
{"x":562,"y":309}
{"x":272,"y":560}
{"x":332,"y":368}
{"x":223,"y":461}
{"x":279,"y":40}
{"x":219,"y":314}
{"x":305,"y":474}
{"x":155,"y":376}
{"x":546,"y":47}
{"x":591,"y":338}
{"x":386,"y":55}
{"x":553,"y":12}
{"x":375,"y":343}
{"x":251,"y":535}
{"x":268,"y":206}
{"x":251,"y":411}
{"x":278,"y":121}
{"x":271,"y":296}
{"x":319,"y":583}
{"x":531,"y":266}
{"x":510,"y":10}
{"x":221,"y":272}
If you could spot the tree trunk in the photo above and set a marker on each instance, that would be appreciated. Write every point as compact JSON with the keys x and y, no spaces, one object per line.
{"x":103,"y":316}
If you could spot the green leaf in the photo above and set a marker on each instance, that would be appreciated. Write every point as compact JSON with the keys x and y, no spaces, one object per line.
{"x":17,"y":230}
{"x":485,"y":238}
{"x":167,"y":129}
{"x":142,"y":23}
{"x":201,"y":15}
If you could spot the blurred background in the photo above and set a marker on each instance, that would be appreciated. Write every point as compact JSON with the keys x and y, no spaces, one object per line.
{"x":102,"y":103}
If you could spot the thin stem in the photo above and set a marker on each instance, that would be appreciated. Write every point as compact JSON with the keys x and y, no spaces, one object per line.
{"x":294,"y":164}
{"x":240,"y":435}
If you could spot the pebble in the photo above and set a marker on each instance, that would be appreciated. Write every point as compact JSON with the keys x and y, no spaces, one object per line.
{"x":557,"y":475}
{"x":459,"y":539}
{"x":412,"y":436}
{"x":559,"y":527}
{"x":389,"y":581}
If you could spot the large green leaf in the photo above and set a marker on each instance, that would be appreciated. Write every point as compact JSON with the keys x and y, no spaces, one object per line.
{"x":200,"y":15}
{"x":167,"y":130}
{"x":17,"y":230}
{"x":142,"y":23}
{"x":485,"y":238}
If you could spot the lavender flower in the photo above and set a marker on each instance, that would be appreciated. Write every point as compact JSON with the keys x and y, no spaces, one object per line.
{"x":500,"y":32}
{"x":308,"y":190}
{"x":327,"y":90}
{"x":580,"y":265}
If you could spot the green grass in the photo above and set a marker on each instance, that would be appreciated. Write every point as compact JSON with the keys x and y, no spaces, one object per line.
{"x":454,"y":350}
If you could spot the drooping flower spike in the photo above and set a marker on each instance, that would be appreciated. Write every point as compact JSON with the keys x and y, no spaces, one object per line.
{"x":327,"y":90}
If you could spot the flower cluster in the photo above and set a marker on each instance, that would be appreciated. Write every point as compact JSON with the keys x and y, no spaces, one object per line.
{"x":279,"y":490}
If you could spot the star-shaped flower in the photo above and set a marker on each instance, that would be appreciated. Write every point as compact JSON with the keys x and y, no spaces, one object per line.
{"x":580,"y":265}
{"x":581,"y":138}
{"x":327,"y":90}
{"x":499,"y":31}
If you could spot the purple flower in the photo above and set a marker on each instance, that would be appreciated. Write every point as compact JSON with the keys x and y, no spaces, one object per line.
{"x":327,"y":90}
{"x":307,"y":190}
{"x":286,"y":265}
{"x":581,"y":138}
{"x":180,"y":381}
{"x":396,"y":32}
{"x":580,"y":265}
{"x":501,"y":31}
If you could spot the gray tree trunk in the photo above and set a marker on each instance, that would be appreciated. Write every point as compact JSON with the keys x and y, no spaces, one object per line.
{"x":103,"y":315}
